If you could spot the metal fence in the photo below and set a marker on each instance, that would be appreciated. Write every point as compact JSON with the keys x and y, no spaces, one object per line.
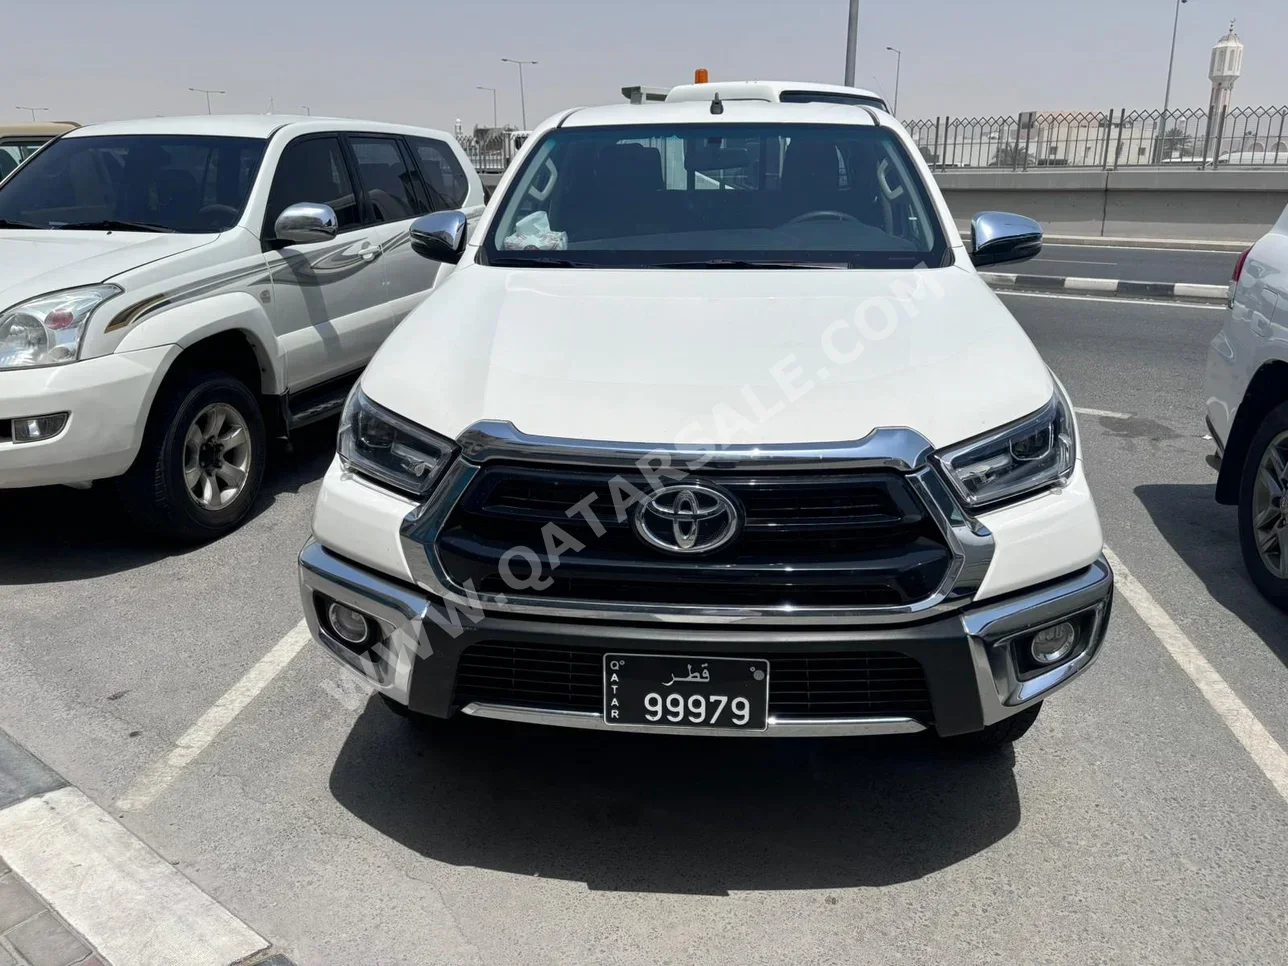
{"x":1240,"y":137}
{"x":489,"y":152}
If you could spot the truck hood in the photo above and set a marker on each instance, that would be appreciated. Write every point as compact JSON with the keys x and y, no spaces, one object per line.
{"x":35,"y":262}
{"x":711,"y":356}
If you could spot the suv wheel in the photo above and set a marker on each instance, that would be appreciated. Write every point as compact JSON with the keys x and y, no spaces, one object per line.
{"x":999,"y":733}
{"x":1263,"y":507}
{"x":202,"y":459}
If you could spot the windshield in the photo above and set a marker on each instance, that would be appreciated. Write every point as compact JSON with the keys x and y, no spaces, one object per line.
{"x":727,"y":195}
{"x":134,"y":182}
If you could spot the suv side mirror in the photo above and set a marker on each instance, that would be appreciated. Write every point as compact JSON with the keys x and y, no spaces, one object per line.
{"x":305,"y":223}
{"x":999,"y":236}
{"x":440,"y":236}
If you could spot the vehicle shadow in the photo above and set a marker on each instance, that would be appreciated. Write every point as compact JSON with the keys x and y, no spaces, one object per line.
{"x":700,"y":816}
{"x":56,"y":533}
{"x":1205,"y":535}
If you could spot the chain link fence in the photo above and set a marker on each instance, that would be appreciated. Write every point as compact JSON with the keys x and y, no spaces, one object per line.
{"x":1244,"y":137}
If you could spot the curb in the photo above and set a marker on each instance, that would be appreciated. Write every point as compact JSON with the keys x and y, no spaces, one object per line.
{"x":1182,"y":291}
{"x":74,"y":859}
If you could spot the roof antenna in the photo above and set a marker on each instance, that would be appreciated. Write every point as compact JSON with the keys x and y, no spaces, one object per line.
{"x":716,"y":106}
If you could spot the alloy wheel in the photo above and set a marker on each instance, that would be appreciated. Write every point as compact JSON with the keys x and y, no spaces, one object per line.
{"x":216,"y":456}
{"x":1270,"y":508}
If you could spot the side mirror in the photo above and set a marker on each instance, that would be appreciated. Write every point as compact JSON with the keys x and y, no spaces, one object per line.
{"x":440,"y":236}
{"x":999,"y":236}
{"x":305,"y":223}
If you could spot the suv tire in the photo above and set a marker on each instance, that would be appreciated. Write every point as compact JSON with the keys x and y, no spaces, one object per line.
{"x":999,"y":733}
{"x":201,"y":463}
{"x":1263,"y":515}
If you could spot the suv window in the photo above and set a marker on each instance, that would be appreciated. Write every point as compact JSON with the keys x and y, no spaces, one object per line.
{"x":155,"y":182}
{"x":443,"y":174}
{"x":389,"y":183}
{"x":313,"y":170}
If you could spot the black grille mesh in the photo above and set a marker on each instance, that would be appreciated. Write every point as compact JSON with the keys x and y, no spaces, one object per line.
{"x":802,"y":686}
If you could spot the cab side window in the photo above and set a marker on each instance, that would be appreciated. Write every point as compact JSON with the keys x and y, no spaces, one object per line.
{"x":443,"y":174}
{"x":388,"y":181}
{"x":313,"y":170}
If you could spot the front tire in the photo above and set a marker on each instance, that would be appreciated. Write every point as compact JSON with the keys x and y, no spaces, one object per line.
{"x":998,"y":734}
{"x":199,"y":469}
{"x":1263,"y":507}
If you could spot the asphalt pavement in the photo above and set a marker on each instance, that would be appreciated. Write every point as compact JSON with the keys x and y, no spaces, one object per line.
{"x":1129,"y":826}
{"x":1133,"y":264}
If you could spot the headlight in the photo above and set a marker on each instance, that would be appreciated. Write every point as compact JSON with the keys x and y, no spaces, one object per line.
{"x":47,"y":331}
{"x":376,"y":443}
{"x":1037,"y":452}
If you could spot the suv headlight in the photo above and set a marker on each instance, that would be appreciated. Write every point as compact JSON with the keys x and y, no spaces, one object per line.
{"x":47,"y":331}
{"x":1036,"y":452}
{"x":376,"y":443}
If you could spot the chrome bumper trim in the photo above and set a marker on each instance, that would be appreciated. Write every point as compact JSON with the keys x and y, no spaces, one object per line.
{"x":776,"y":728}
{"x":903,"y":450}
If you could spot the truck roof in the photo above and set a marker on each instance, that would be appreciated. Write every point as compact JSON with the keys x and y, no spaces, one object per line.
{"x":699,"y":112}
{"x":760,"y":90}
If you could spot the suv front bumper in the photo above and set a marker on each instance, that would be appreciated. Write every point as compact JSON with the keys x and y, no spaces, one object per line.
{"x":969,"y":657}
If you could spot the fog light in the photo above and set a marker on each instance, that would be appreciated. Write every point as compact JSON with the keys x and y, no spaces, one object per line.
{"x":349,"y":625}
{"x":29,"y":429}
{"x":1052,"y":644}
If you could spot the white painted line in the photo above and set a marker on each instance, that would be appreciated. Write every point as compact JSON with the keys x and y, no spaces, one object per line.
{"x":130,"y":903}
{"x":193,"y":741}
{"x":1091,"y":284}
{"x":1119,"y":300}
{"x":1104,"y":413}
{"x":1043,"y":260}
{"x":1252,"y":734}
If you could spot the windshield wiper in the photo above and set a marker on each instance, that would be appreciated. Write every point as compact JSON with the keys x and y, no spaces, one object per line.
{"x":113,"y":224}
{"x":521,"y":261}
{"x":7,"y":223}
{"x":747,"y":263}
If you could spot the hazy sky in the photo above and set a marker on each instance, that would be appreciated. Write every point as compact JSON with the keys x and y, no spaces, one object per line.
{"x":419,"y":62}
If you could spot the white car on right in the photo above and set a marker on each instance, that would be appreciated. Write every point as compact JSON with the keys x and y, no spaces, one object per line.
{"x":1246,"y":386}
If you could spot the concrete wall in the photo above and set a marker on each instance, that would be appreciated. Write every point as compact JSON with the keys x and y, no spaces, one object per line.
{"x":1236,"y":206}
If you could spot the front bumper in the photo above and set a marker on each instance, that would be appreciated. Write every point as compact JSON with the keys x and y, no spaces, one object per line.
{"x":108,"y":399}
{"x":968,"y":656}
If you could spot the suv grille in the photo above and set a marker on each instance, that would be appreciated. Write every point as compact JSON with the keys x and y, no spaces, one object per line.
{"x":800,"y":685}
{"x":859,"y":539}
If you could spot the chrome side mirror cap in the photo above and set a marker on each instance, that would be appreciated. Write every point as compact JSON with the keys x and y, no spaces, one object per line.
{"x":440,"y":236}
{"x":999,"y":236}
{"x":305,"y":223}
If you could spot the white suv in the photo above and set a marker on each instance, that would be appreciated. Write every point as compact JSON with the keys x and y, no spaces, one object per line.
{"x":1247,"y":408}
{"x":714,"y":429}
{"x":174,"y":290}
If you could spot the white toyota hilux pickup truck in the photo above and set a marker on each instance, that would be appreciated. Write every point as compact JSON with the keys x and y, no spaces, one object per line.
{"x":173,"y":291}
{"x":713,"y":429}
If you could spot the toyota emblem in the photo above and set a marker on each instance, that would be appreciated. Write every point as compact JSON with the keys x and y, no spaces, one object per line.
{"x":690,"y":518}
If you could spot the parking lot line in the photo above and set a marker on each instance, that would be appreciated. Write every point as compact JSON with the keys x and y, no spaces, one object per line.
{"x":1252,"y":734}
{"x":193,"y":741}
{"x":1105,"y":413}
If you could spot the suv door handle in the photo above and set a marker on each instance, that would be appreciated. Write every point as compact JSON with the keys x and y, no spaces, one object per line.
{"x":371,"y":252}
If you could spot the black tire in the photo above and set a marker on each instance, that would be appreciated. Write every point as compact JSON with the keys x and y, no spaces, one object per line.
{"x":1274,"y":587}
{"x":153,"y":490}
{"x":999,"y":734}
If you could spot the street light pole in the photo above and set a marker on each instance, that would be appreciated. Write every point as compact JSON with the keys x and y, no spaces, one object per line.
{"x":1167,"y":94}
{"x":493,"y":90}
{"x":852,"y":44}
{"x":308,"y":111}
{"x":898,"y":69}
{"x":523,"y":104}
{"x":207,"y":92}
{"x":33,"y":110}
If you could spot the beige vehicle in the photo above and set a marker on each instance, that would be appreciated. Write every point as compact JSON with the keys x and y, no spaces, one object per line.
{"x":17,"y":141}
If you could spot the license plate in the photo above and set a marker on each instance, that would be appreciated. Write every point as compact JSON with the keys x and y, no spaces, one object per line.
{"x":665,"y":691}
